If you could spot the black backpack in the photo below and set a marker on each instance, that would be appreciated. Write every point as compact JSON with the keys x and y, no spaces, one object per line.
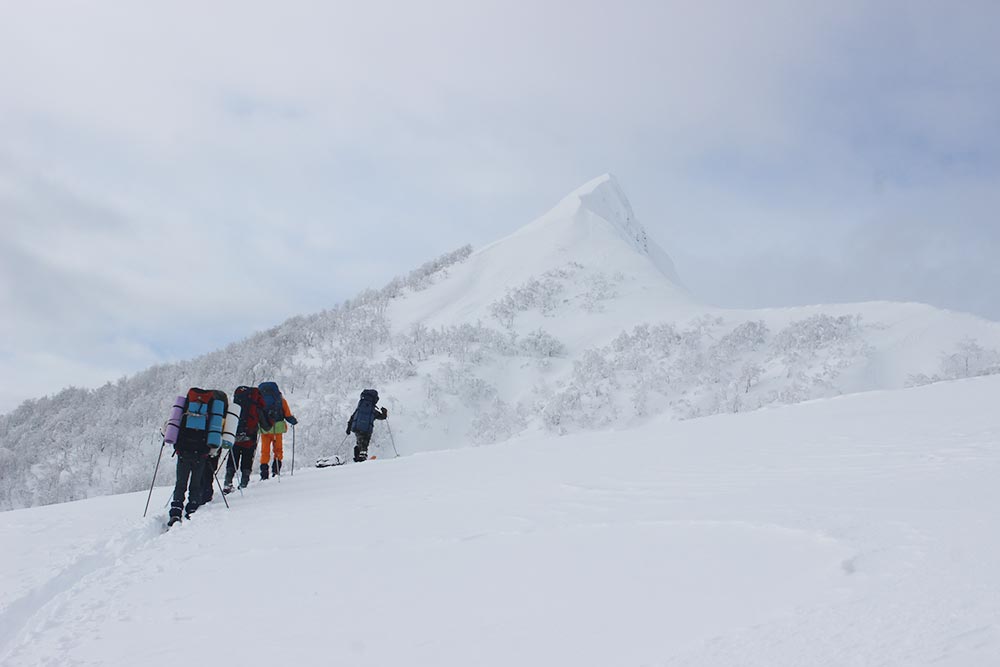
{"x":364,"y":416}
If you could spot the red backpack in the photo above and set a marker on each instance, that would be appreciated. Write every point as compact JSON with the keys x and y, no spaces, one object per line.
{"x":253,"y":414}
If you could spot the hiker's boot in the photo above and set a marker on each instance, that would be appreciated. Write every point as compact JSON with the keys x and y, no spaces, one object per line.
{"x":265,"y":472}
{"x":276,"y":467}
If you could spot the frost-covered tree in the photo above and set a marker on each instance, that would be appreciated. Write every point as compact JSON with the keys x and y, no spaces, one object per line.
{"x":540,"y":343}
{"x":80,"y":443}
{"x":968,"y":359}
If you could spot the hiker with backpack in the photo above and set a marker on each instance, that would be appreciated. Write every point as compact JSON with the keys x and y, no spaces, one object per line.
{"x":278,"y":413}
{"x":199,"y":431}
{"x":362,"y":422}
{"x":253,"y":418}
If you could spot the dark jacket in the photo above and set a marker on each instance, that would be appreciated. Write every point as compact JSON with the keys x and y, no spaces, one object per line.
{"x":364,"y":416}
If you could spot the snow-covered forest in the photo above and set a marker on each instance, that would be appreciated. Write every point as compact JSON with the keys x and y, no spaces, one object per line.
{"x":585,"y":330}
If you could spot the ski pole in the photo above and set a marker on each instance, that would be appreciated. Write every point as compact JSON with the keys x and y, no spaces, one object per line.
{"x":225,"y":459}
{"x":238,"y":468}
{"x":392,"y":439}
{"x":225,"y":464}
{"x":216,"y":476}
{"x":171,"y":496}
{"x":293,"y":450}
{"x":153,"y":483}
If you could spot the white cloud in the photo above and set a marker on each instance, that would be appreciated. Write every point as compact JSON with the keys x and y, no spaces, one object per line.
{"x":311,"y":149}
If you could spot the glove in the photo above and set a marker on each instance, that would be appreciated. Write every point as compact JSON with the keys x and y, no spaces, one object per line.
{"x":347,"y":432}
{"x":291,"y":420}
{"x":385,"y":413}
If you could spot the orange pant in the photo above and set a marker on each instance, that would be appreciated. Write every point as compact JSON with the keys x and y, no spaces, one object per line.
{"x":265,"y":447}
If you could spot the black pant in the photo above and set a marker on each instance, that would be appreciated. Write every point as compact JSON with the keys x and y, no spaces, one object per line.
{"x":208,"y":479}
{"x":190,"y":480}
{"x":241,"y":457}
{"x":361,"y":449}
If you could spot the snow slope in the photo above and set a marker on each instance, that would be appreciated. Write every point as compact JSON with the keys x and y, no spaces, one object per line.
{"x":591,"y":233}
{"x":576,"y":322}
{"x":852,"y":531}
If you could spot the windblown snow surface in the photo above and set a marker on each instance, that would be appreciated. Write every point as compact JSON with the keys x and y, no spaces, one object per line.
{"x":859,"y":530}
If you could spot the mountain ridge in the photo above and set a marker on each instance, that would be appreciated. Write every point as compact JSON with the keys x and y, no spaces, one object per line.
{"x":555,"y":328}
{"x":591,"y":237}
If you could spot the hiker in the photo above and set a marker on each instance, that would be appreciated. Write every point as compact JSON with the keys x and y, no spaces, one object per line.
{"x":277,"y":411}
{"x":362,"y":422}
{"x":253,"y":417}
{"x":200,"y":430}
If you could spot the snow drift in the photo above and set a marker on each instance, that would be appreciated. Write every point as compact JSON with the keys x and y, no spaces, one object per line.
{"x":853,"y":531}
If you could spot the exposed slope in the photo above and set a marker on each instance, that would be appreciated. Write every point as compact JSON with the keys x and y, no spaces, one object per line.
{"x":848,"y":531}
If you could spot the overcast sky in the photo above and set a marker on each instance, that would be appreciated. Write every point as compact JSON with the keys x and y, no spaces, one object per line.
{"x":153,"y":155}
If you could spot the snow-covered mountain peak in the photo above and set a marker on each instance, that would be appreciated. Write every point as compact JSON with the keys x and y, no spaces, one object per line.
{"x":601,"y":202}
{"x":588,"y":254}
{"x":604,"y":188}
